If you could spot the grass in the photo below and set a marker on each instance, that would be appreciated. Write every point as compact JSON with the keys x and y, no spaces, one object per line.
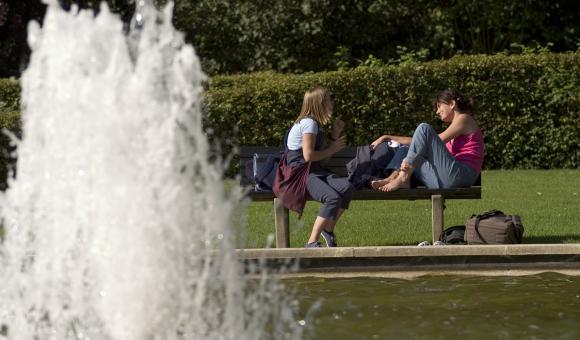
{"x":548,"y":202}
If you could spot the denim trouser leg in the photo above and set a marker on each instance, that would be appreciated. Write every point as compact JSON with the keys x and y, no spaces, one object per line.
{"x":400,"y":154}
{"x":434,"y":165}
{"x":332,"y":191}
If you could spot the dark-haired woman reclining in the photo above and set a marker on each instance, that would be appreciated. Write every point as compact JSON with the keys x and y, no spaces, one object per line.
{"x":451,"y":159}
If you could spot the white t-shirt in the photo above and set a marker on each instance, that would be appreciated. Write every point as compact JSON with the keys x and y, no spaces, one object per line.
{"x":306,"y":125}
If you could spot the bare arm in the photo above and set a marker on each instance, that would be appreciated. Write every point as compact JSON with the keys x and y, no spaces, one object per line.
{"x":461,"y":124}
{"x":311,"y":155}
{"x":385,"y":138}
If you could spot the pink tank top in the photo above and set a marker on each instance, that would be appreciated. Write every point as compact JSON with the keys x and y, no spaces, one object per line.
{"x":468,"y":149}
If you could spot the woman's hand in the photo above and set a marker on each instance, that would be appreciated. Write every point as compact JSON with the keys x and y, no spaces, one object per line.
{"x":337,"y":127}
{"x":338,"y":144}
{"x":378,"y":141}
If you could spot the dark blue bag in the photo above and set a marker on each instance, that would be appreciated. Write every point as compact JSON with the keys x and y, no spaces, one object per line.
{"x":264,"y":170}
{"x":453,"y":235}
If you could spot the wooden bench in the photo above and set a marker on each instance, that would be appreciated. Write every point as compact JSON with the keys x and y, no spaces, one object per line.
{"x":338,"y":165}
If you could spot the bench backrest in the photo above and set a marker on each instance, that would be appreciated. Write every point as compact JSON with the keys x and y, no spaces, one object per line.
{"x":337,"y":163}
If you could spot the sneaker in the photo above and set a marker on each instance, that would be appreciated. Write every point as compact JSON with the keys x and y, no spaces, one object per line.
{"x":423,"y":244}
{"x":329,"y":238}
{"x":313,"y":245}
{"x":438,"y":243}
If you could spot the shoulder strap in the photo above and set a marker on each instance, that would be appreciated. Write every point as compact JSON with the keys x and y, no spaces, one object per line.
{"x":286,"y":140}
{"x":488,"y":214}
{"x":517,"y":221}
{"x":477,"y":219}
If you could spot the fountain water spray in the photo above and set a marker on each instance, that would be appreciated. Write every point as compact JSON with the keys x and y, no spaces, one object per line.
{"x":117,"y":226}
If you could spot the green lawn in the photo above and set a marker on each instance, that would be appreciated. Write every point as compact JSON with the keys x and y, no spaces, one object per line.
{"x":547,"y":200}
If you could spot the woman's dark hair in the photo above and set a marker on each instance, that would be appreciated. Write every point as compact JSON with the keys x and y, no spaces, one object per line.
{"x":464,"y":104}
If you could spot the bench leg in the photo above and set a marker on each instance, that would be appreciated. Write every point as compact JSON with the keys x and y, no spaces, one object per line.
{"x":282,"y":220}
{"x":437,"y":202}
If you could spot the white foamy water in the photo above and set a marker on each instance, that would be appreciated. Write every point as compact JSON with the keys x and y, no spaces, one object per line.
{"x":117,"y":226}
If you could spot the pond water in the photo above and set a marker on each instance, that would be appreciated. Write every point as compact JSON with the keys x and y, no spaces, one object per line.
{"x":545,"y":306}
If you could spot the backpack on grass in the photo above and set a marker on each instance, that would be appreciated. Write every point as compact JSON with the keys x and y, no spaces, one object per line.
{"x":494,"y":227}
{"x":453,"y":235}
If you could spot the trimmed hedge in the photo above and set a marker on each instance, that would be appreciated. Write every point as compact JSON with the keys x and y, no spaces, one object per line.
{"x":9,"y":120}
{"x":528,"y":106}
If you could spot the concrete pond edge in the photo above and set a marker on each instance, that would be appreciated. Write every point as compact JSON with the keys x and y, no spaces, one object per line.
{"x":414,"y":261}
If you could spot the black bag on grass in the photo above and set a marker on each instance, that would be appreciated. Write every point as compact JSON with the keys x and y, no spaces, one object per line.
{"x":453,"y":235}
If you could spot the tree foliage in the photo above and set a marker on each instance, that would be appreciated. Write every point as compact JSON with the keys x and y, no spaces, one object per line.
{"x":239,"y":36}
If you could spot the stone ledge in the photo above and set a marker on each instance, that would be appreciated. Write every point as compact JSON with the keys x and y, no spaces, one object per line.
{"x":406,"y":260}
{"x":402,"y":251}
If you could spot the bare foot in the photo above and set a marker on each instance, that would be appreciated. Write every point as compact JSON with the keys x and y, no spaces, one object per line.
{"x":405,"y":166}
{"x":376,"y":185}
{"x":403,"y":181}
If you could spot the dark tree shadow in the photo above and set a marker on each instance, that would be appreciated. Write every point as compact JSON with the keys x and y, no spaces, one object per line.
{"x":549,"y":239}
{"x":552,"y":239}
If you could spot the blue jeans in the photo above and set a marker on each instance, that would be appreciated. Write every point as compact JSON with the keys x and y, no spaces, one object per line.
{"x":434,"y":165}
{"x":398,"y":157}
{"x":332,"y":191}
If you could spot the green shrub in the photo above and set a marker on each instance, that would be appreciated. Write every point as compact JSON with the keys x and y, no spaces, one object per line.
{"x":528,"y":105}
{"x":10,"y":121}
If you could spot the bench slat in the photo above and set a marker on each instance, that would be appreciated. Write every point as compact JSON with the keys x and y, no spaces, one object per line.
{"x":401,"y":194}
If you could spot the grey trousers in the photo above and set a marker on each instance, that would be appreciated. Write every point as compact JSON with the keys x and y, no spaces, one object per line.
{"x":332,"y":191}
{"x":434,"y":164}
